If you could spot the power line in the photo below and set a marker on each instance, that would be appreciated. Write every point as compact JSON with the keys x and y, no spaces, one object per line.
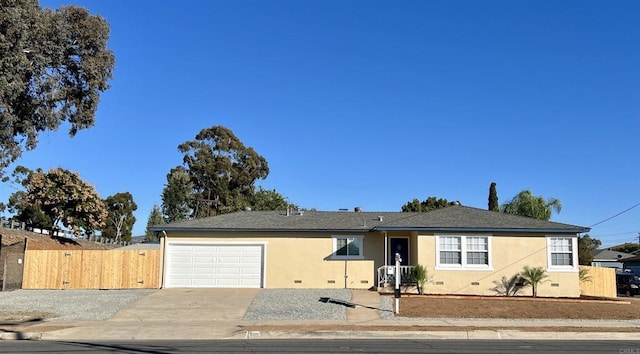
{"x":620,"y":213}
{"x":616,"y":234}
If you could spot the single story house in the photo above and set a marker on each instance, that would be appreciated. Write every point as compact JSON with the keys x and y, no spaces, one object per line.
{"x":609,"y":259}
{"x":465,"y":250}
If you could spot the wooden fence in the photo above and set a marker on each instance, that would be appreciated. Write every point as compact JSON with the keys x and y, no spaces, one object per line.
{"x":602,"y":282}
{"x":91,"y":269}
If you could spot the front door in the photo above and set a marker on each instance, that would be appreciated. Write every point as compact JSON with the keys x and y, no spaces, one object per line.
{"x":399,"y":245}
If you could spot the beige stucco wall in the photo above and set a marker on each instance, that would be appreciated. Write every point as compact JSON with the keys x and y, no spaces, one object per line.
{"x":509,"y":254}
{"x":303,"y":260}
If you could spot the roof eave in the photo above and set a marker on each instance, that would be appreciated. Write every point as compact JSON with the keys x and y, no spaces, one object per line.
{"x":213,"y":229}
{"x":379,"y":228}
{"x":481,"y":229}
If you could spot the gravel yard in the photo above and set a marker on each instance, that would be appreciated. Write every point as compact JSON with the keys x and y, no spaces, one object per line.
{"x":298,"y":304}
{"x":67,"y":305}
{"x":387,"y":307}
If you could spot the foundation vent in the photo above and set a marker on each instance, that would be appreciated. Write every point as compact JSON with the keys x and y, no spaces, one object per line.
{"x":298,"y":281}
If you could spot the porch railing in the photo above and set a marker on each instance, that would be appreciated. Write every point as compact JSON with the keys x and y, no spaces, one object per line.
{"x":387,"y":274}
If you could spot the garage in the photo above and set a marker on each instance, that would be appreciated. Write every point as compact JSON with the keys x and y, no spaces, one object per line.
{"x":214,"y":265}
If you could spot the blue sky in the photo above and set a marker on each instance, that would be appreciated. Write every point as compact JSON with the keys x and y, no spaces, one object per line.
{"x":374,"y":103}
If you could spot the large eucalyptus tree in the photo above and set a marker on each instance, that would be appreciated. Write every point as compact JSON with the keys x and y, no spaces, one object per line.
{"x":223,"y":171}
{"x":119,"y":222}
{"x":53,"y":67}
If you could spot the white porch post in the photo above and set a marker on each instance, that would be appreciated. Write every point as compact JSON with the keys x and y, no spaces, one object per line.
{"x":386,"y":254}
{"x":396,"y":291}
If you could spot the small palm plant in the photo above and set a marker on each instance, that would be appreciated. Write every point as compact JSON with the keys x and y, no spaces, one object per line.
{"x":420,"y":275}
{"x":508,"y":286}
{"x":533,"y":276}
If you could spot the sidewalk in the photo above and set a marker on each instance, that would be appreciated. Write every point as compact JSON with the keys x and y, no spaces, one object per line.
{"x":362,"y":321}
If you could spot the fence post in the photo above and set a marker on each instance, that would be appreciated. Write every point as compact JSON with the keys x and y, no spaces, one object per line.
{"x":4,"y":275}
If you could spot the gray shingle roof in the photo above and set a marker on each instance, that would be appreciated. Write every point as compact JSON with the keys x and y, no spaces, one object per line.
{"x":452,"y":218}
{"x":609,"y":255}
{"x":631,"y":259}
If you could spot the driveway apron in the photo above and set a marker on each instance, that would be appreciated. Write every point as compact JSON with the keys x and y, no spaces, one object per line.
{"x":189,"y":305}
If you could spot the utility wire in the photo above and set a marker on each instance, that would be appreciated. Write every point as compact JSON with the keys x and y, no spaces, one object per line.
{"x":620,"y":213}
{"x":616,"y":234}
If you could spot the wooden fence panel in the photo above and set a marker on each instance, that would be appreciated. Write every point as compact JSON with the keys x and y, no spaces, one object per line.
{"x":150,"y":269}
{"x":112,"y":270}
{"x":92,"y":264}
{"x":91,"y":269}
{"x":43,"y":270}
{"x":72,"y":272}
{"x":133,"y":274}
{"x":602,"y":283}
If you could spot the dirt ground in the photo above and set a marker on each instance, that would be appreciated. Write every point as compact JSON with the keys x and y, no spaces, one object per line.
{"x":519,"y":308}
{"x":37,"y":241}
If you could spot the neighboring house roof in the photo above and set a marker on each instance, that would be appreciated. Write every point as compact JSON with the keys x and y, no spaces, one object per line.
{"x":452,"y":218}
{"x":631,"y":259}
{"x":141,"y":246}
{"x":609,"y":255}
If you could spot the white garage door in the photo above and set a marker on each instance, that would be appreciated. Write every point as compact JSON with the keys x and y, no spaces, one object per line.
{"x":192,"y":265}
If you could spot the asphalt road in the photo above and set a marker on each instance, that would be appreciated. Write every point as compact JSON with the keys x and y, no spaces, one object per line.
{"x":325,"y":346}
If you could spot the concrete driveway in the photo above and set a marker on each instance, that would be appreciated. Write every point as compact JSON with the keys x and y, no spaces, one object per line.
{"x":189,"y":305}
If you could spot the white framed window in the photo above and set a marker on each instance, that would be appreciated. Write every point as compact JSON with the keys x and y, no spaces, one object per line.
{"x":451,"y":250}
{"x":562,"y":253}
{"x":348,"y":247}
{"x":463,"y":252}
{"x":478,"y":250}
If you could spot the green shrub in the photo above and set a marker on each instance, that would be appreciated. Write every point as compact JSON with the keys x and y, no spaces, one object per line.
{"x":420,"y":275}
{"x":533,"y":276}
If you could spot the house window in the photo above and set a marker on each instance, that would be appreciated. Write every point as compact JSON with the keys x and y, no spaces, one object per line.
{"x":478,"y":250}
{"x":463,"y":252}
{"x":347,"y":247}
{"x":561,"y":252}
{"x":450,"y":250}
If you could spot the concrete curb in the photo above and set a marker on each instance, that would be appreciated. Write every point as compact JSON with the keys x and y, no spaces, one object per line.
{"x":444,"y":335}
{"x":441,"y":335}
{"x":20,"y":336}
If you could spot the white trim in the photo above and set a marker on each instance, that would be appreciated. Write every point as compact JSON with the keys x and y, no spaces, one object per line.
{"x":263,"y":244}
{"x":463,"y":253}
{"x":334,"y":245}
{"x":408,"y":238}
{"x":386,"y":249}
{"x":574,"y":254}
